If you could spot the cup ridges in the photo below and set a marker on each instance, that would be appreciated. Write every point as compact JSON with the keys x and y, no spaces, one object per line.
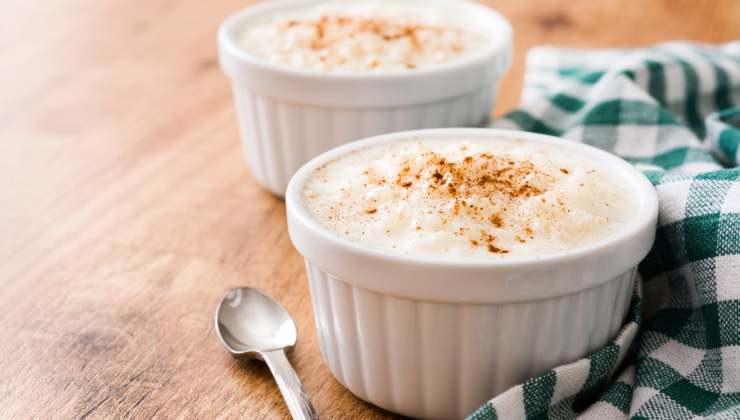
{"x":443,"y":360}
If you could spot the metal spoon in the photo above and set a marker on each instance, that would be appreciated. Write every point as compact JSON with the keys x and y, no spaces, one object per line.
{"x":252,"y":325}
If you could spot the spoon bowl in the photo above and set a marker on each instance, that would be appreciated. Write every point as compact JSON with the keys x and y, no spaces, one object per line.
{"x":249,"y":322}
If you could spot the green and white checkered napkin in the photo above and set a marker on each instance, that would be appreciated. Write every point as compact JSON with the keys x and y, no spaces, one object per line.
{"x":674,"y":111}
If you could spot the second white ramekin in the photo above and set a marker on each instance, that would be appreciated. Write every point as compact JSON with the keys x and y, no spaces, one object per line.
{"x":436,"y":339}
{"x":287,"y":116}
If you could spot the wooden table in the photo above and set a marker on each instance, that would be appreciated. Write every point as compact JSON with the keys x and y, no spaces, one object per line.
{"x":127,"y":209}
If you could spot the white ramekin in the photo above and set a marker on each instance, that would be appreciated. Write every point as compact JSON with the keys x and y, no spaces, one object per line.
{"x":435,"y":339}
{"x":287,"y":116}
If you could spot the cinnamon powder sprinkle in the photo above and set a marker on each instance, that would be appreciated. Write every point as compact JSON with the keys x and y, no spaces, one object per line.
{"x":496,"y":250}
{"x":385,"y":29}
{"x":484,"y":202}
{"x":479,"y":175}
{"x":477,"y":178}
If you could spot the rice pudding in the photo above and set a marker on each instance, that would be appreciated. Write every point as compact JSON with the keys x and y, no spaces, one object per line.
{"x":468,"y":198}
{"x":362,"y":36}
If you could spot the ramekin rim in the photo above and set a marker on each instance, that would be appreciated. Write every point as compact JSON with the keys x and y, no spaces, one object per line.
{"x":645,"y":218}
{"x":500,"y":49}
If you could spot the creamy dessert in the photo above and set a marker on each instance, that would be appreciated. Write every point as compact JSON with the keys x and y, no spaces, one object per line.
{"x":362,"y":36}
{"x":468,"y":198}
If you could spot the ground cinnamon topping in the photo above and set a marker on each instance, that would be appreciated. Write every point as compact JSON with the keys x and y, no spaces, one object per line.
{"x":477,"y":175}
{"x":472,"y":199}
{"x":528,"y":231}
{"x":362,"y":36}
{"x":355,"y":26}
{"x":496,"y":220}
{"x":497,"y":250}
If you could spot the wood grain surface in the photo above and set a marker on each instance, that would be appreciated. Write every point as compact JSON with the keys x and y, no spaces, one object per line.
{"x":127,"y":209}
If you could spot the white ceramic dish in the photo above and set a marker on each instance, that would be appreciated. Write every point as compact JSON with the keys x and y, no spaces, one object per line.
{"x":435,"y":339}
{"x":287,"y":115}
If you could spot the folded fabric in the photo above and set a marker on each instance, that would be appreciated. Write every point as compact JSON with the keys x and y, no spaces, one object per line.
{"x":672,"y":110}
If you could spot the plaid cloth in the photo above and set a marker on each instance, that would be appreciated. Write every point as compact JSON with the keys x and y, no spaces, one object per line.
{"x":668,"y":110}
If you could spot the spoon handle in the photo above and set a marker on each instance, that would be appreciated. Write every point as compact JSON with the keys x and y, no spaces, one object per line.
{"x":290,"y":386}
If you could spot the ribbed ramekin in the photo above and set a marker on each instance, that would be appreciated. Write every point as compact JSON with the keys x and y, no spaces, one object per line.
{"x":287,"y":116}
{"x":435,"y":339}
